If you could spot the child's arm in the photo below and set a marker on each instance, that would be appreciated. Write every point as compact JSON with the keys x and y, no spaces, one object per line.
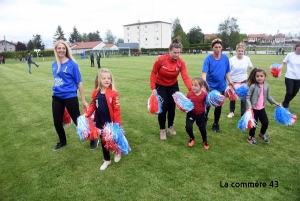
{"x":92,"y":106}
{"x":248,"y":97}
{"x":116,"y":108}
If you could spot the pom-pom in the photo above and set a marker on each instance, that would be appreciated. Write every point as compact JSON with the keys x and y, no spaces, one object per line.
{"x":275,"y":70}
{"x":155,"y":104}
{"x":182,"y":102}
{"x":67,"y":120}
{"x":114,"y":139}
{"x":241,"y":90}
{"x":214,"y":99}
{"x":230,"y":93}
{"x":247,"y":121}
{"x":86,"y":128}
{"x":283,"y":116}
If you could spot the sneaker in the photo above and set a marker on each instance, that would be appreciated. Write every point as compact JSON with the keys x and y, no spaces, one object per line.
{"x":171,"y":130}
{"x":58,"y":146}
{"x":94,"y":144}
{"x":252,"y":140}
{"x":191,"y":142}
{"x":163,"y":135}
{"x":264,"y":138}
{"x":38,"y":66}
{"x":216,"y":128}
{"x":205,"y":145}
{"x":105,"y":164}
{"x":117,"y":158}
{"x":230,"y":115}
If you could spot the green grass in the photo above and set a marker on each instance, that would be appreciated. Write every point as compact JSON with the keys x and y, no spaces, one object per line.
{"x":154,"y":169}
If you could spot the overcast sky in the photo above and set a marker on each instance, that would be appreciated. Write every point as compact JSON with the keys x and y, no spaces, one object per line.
{"x":21,"y":19}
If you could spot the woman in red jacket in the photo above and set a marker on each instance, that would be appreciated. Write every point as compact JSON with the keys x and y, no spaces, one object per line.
{"x":106,"y":105}
{"x":163,"y":81}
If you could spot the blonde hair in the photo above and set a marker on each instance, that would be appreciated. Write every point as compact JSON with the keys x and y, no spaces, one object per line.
{"x":98,"y":79}
{"x":68,"y":53}
{"x":240,"y":45}
{"x":202,"y":83}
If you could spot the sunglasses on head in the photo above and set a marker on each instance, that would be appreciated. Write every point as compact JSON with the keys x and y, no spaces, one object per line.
{"x":176,"y":45}
{"x":216,"y":40}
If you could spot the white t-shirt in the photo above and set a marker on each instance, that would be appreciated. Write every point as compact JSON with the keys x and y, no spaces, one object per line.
{"x":238,"y":68}
{"x":293,"y":66}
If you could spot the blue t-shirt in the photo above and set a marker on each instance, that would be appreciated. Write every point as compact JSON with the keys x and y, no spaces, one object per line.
{"x":216,"y":71}
{"x":66,"y":80}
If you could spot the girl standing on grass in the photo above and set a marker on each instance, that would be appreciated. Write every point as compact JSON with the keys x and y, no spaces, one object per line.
{"x":106,"y":105}
{"x":197,"y":95}
{"x":257,"y":95}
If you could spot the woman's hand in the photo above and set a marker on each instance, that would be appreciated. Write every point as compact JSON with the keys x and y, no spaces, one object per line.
{"x":85,"y":104}
{"x":154,"y":91}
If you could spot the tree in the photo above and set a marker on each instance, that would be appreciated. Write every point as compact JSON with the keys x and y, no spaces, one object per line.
{"x":177,"y":31}
{"x":74,"y":36}
{"x":229,"y":32}
{"x":59,"y":34}
{"x":21,"y":46}
{"x":120,"y":40}
{"x":94,"y":36}
{"x":110,"y":38}
{"x":35,"y":43}
{"x":84,"y":37}
{"x":195,"y":36}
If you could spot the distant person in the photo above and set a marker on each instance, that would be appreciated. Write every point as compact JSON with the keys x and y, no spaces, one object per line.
{"x":98,"y":59}
{"x":67,"y":80}
{"x":106,"y":106}
{"x":197,"y":95}
{"x":239,"y":65}
{"x":230,"y":53}
{"x":215,"y":71}
{"x":292,"y":75}
{"x":258,"y":94}
{"x":164,"y":82}
{"x":92,"y":59}
{"x":30,"y":61}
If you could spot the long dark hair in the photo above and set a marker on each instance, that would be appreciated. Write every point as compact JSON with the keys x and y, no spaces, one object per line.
{"x":176,"y":43}
{"x":252,"y":77}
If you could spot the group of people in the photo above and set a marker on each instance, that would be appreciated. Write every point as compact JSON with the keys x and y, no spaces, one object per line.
{"x":217,"y":72}
{"x":98,"y":57}
{"x":217,"y":68}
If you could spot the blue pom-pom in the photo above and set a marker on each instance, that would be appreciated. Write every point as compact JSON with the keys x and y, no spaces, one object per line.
{"x":283,"y":116}
{"x":214,"y":99}
{"x":182,"y":102}
{"x":241,"y":90}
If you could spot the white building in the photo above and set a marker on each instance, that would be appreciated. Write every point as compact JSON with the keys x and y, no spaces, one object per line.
{"x":6,"y":46}
{"x":154,"y":34}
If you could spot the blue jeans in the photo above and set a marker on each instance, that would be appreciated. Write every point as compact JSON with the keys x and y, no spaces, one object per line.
{"x":29,"y":65}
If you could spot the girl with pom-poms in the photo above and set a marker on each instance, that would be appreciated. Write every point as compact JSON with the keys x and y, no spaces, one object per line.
{"x":197,"y":95}
{"x":257,"y":95}
{"x":238,"y":73}
{"x":106,"y":105}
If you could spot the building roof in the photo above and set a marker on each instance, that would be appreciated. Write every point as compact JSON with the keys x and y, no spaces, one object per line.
{"x":13,"y":43}
{"x":84,"y":45}
{"x":210,"y":36}
{"x":141,"y":23}
{"x":256,"y":35}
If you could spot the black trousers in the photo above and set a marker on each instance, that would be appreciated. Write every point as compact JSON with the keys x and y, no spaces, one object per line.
{"x":200,"y":122}
{"x":92,"y":63}
{"x":105,"y":152}
{"x":58,"y":106}
{"x":260,"y":115}
{"x":292,"y":88}
{"x":168,"y":105}
{"x":217,"y":112}
{"x":98,"y":63}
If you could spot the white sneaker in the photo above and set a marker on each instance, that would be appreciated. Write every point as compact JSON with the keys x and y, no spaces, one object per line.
{"x":171,"y":130}
{"x":105,"y":164}
{"x":117,"y":158}
{"x":230,"y":115}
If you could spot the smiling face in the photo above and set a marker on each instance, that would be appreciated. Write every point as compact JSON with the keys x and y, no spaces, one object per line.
{"x":240,"y":52}
{"x":61,"y":50}
{"x":196,"y":87}
{"x":174,"y":53}
{"x":105,"y":80}
{"x":260,"y":77}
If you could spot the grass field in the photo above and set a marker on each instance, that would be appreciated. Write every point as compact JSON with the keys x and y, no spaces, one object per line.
{"x":154,"y":169}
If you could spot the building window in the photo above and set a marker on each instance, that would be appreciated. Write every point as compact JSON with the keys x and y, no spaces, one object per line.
{"x":145,"y":26}
{"x":138,"y":27}
{"x":157,"y":38}
{"x":128,"y":28}
{"x":146,"y":39}
{"x":128,"y":40}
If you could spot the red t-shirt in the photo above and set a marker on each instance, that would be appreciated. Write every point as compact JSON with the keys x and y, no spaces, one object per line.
{"x":166,"y":70}
{"x":199,"y":101}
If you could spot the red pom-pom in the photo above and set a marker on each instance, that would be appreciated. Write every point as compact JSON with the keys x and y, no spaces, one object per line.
{"x":67,"y":120}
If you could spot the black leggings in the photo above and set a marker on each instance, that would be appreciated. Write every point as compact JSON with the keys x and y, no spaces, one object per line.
{"x":200,"y":122}
{"x":263,"y":118}
{"x":168,"y":105}
{"x":217,"y":112}
{"x":292,"y":88}
{"x":58,"y":106}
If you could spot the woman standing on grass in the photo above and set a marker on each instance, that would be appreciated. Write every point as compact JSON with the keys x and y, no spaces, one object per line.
{"x":67,"y":80}
{"x":238,"y":73}
{"x":163,"y":81}
{"x":292,"y":75}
